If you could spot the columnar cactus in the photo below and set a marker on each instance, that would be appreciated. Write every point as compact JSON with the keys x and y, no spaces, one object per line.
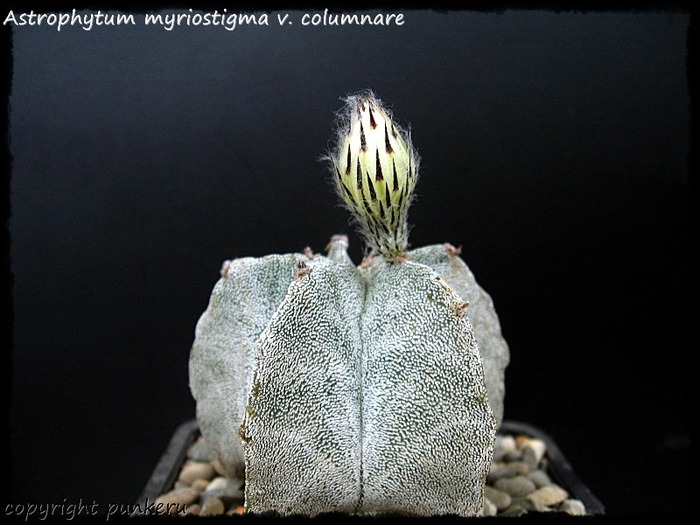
{"x":364,"y":390}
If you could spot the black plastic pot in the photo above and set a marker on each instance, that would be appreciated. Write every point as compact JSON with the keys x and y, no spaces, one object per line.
{"x":559,"y":469}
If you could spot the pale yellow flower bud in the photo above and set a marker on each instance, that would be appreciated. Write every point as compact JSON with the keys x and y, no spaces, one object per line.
{"x":375,"y":169}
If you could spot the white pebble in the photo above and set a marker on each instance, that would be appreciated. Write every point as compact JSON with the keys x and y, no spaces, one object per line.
{"x":218,"y":482}
{"x":500,"y":499}
{"x":503,"y":445}
{"x":489,"y":508}
{"x":183,"y":496}
{"x":518,"y":486}
{"x":194,"y":470}
{"x":533,"y":451}
{"x":548,"y":495}
{"x":574,"y":507}
{"x":200,"y":485}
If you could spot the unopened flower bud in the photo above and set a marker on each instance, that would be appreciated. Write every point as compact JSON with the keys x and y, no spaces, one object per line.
{"x":375,"y":170}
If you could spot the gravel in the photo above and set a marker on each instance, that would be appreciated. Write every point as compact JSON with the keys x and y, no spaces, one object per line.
{"x":518,"y":483}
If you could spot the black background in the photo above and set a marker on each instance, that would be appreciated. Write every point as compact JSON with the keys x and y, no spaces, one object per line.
{"x":555,"y":151}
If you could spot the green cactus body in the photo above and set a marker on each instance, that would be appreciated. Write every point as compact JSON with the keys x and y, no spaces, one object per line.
{"x":361,"y":389}
{"x":366,"y":390}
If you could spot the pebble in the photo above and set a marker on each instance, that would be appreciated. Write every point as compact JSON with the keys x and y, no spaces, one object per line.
{"x":213,"y":507}
{"x":539,"y":478}
{"x":533,"y":452}
{"x":228,"y":490}
{"x":518,"y":486}
{"x":183,"y":496}
{"x":518,"y":482}
{"x":514,"y":510}
{"x":520,"y":467}
{"x":194,"y":470}
{"x":200,"y":451}
{"x":194,"y":509}
{"x":489,"y":508}
{"x":502,"y":446}
{"x":218,"y":482}
{"x":548,"y":495}
{"x":219,"y":468}
{"x":521,"y":440}
{"x":500,"y":499}
{"x":529,"y":505}
{"x":513,"y":456}
{"x":575,"y":507}
{"x":200,"y":485}
{"x":499,"y":471}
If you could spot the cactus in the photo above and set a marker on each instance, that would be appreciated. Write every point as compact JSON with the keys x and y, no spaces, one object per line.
{"x":371,"y":389}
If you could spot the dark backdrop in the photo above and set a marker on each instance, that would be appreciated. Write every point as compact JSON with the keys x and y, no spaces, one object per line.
{"x":555,"y":151}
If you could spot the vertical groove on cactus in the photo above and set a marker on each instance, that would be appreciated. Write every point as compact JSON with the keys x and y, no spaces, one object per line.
{"x":361,"y":358}
{"x":368,"y":397}
{"x":428,"y":427}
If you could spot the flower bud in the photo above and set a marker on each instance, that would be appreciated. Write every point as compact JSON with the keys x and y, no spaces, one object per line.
{"x":375,"y":170}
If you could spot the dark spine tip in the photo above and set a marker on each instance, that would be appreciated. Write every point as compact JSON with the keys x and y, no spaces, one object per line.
{"x":372,"y":122}
{"x":381,"y":210}
{"x":402,"y":196}
{"x":379,"y":176}
{"x":387,"y":199}
{"x":349,"y":161}
{"x":367,"y":208}
{"x":393,"y":131}
{"x":387,"y":144}
{"x":396,"y":178}
{"x":347,"y":192}
{"x":372,"y":193}
{"x":359,"y":176}
{"x":337,"y":172}
{"x":363,"y":139}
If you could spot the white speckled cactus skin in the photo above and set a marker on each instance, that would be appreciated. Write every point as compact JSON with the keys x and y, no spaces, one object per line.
{"x":493,"y":348}
{"x":368,"y":381}
{"x":366,"y":390}
{"x":222,"y":356}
